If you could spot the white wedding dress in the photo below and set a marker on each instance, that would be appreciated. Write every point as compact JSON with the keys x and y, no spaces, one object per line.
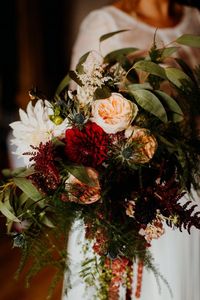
{"x":177,"y":255}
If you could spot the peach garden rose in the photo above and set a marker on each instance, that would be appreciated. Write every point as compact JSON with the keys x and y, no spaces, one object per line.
{"x":114,"y":114}
{"x":145,"y":143}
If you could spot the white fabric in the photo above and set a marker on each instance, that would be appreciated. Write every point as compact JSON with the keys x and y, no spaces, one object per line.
{"x":140,"y":35}
{"x":176,"y":254}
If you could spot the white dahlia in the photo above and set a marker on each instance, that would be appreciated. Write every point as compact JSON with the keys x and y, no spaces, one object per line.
{"x":35,"y":127}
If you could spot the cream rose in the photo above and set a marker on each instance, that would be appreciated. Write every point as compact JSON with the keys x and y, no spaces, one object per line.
{"x":113,"y":114}
{"x":145,"y":143}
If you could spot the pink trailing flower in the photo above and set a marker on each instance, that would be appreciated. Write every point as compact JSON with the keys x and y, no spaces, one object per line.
{"x":81,"y":192}
{"x":152,"y":231}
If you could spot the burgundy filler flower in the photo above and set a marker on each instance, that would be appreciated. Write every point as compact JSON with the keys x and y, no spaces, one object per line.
{"x":87,"y":146}
{"x":46,"y":177}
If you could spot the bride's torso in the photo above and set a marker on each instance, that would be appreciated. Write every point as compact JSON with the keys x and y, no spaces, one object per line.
{"x":139,"y":34}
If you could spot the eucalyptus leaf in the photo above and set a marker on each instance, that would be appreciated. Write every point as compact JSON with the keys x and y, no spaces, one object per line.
{"x":110,"y":34}
{"x":185,"y":68}
{"x":28,"y":188}
{"x":140,"y":86}
{"x":81,"y":174}
{"x":7,"y":213}
{"x":102,"y":93}
{"x":189,"y":40}
{"x":74,"y":77}
{"x":168,"y":144}
{"x":177,"y":76}
{"x":62,"y":85}
{"x":9,"y":226}
{"x":148,"y":101}
{"x":150,"y":67}
{"x":26,"y":172}
{"x":172,"y":105}
{"x":167,"y":52}
{"x":46,"y":221}
{"x":23,"y":198}
{"x":79,"y":66}
{"x":18,"y":171}
{"x":117,"y":55}
{"x":6,"y":172}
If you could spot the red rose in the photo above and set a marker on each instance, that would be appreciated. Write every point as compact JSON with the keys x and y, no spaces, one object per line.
{"x":87,"y":146}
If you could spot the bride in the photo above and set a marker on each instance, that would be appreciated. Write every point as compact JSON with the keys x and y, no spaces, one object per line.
{"x":176,"y":254}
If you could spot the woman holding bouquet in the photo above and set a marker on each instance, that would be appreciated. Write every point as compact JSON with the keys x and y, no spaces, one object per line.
{"x":176,"y":254}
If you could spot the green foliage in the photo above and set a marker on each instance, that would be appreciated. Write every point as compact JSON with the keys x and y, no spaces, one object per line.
{"x":62,"y":86}
{"x":79,"y":66}
{"x":190,"y":40}
{"x":28,"y":188}
{"x":110,"y":34}
{"x":148,"y":101}
{"x":150,"y":67}
{"x":119,"y":55}
{"x":177,"y":113}
{"x":73,"y":75}
{"x":102,"y":93}
{"x":177,"y":77}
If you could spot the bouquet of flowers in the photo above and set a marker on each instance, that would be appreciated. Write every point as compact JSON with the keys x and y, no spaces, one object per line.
{"x":118,"y":152}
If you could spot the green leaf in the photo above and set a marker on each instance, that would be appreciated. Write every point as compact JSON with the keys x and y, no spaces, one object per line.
{"x":21,"y":172}
{"x":167,"y":52}
{"x":140,"y":86}
{"x":46,"y":221}
{"x":6,"y":172}
{"x":189,"y":40}
{"x":74,"y":76}
{"x":185,"y":68}
{"x":81,"y":174}
{"x":168,"y":144}
{"x":150,"y":67}
{"x":119,"y":54}
{"x":148,"y":101}
{"x":79,"y":66}
{"x":110,"y":34}
{"x":177,"y":76}
{"x":7,"y":213}
{"x":25,"y":173}
{"x":102,"y":93}
{"x":17,"y":171}
{"x":23,"y":198}
{"x":172,"y":105}
{"x":62,"y":85}
{"x":28,"y":188}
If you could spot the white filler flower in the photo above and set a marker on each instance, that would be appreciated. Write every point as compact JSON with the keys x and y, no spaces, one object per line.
{"x":35,"y":127}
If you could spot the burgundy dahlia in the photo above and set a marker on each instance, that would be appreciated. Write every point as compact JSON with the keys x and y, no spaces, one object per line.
{"x":88,"y":146}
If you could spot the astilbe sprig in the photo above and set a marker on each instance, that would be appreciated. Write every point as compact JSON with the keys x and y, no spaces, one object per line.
{"x":46,"y":176}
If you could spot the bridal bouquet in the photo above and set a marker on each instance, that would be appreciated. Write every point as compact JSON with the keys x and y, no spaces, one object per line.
{"x":118,"y":152}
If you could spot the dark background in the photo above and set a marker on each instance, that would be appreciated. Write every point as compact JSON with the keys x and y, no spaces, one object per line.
{"x":36,"y":43}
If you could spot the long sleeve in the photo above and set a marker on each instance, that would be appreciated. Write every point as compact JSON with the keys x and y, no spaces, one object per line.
{"x":96,"y":24}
